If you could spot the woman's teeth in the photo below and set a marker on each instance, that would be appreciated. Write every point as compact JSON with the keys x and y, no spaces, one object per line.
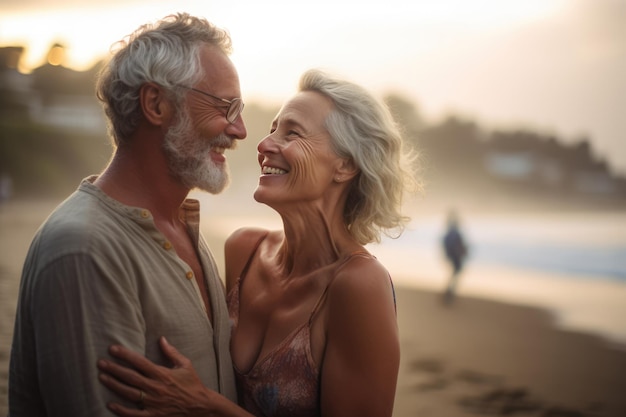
{"x":273,"y":171}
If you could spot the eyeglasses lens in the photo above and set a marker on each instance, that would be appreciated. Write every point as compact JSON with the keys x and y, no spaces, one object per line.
{"x":234,"y":110}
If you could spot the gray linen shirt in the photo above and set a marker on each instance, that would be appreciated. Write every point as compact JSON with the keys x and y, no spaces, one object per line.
{"x":97,"y":273}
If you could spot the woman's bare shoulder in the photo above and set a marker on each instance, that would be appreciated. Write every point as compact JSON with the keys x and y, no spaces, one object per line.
{"x":362,"y":278}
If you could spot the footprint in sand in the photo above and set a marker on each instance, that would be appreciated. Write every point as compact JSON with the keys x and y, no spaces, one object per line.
{"x":519,"y":401}
{"x":430,"y":372}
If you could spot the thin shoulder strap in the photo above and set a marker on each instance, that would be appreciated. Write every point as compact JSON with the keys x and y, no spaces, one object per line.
{"x":254,"y":249}
{"x":363,"y":253}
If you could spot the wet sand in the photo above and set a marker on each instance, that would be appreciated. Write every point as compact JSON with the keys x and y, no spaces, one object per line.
{"x":481,"y":357}
{"x":475,"y":357}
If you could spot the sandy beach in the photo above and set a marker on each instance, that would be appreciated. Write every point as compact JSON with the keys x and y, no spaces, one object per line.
{"x":481,"y":357}
{"x":475,"y":357}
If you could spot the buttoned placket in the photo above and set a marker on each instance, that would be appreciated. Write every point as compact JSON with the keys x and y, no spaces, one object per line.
{"x":147,"y":219}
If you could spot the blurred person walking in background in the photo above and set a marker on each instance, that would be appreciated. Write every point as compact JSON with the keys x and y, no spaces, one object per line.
{"x":122,"y":259}
{"x":456,"y":251}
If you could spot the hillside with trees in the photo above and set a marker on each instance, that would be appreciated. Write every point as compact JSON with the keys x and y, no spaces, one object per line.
{"x":52,"y":134}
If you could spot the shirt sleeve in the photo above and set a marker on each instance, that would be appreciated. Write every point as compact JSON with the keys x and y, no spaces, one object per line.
{"x":79,"y":308}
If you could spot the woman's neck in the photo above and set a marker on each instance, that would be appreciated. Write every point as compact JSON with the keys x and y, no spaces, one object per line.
{"x":314,"y":238}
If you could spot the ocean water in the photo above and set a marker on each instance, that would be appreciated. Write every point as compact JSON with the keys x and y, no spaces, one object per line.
{"x":588,"y":246}
{"x":572,"y":264}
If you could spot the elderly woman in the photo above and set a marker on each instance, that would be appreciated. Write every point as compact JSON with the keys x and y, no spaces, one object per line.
{"x":313,"y":312}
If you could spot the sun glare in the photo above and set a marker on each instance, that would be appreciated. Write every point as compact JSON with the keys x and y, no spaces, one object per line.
{"x":80,"y":40}
{"x":56,"y":56}
{"x":86,"y":33}
{"x":485,"y":13}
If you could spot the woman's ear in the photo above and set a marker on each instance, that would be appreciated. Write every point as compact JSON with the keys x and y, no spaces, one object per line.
{"x":346,"y":170}
{"x":156,"y":107}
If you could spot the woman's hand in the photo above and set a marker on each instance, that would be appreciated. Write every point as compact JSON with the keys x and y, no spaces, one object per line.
{"x":158,"y":390}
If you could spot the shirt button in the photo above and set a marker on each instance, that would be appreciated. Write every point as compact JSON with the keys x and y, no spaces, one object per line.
{"x":189,"y":274}
{"x":145,"y":214}
{"x":167,"y":245}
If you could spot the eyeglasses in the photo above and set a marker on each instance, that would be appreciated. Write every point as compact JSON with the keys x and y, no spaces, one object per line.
{"x":235,"y":106}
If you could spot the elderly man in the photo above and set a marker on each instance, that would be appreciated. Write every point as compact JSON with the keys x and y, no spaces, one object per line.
{"x":122,"y":260}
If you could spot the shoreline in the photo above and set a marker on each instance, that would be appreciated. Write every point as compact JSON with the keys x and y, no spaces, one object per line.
{"x":594,"y":305}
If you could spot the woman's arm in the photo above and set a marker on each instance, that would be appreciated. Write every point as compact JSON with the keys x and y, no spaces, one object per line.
{"x":362,"y":357}
{"x":162,"y":391}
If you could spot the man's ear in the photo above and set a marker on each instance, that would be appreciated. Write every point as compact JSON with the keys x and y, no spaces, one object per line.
{"x":156,"y":107}
{"x":346,"y":170}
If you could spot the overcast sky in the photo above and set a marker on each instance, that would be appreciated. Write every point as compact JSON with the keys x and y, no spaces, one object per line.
{"x":552,"y":65}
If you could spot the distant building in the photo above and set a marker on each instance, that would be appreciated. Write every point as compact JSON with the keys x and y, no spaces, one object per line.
{"x":595,"y":183}
{"x":525,"y":166}
{"x":51,"y":95}
{"x":510,"y":165}
{"x":68,"y":111}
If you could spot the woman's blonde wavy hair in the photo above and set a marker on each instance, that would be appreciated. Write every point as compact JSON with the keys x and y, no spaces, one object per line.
{"x":362,"y":130}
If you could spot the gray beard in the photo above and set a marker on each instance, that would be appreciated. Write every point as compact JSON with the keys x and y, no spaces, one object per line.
{"x":189,"y":160}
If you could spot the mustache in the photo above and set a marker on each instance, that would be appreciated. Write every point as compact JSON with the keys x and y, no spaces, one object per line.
{"x":223,"y":141}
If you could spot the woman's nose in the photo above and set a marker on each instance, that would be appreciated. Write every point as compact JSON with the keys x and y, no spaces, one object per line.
{"x":267,"y":144}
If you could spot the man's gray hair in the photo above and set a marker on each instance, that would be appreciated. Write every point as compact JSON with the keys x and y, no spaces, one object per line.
{"x":166,"y":53}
